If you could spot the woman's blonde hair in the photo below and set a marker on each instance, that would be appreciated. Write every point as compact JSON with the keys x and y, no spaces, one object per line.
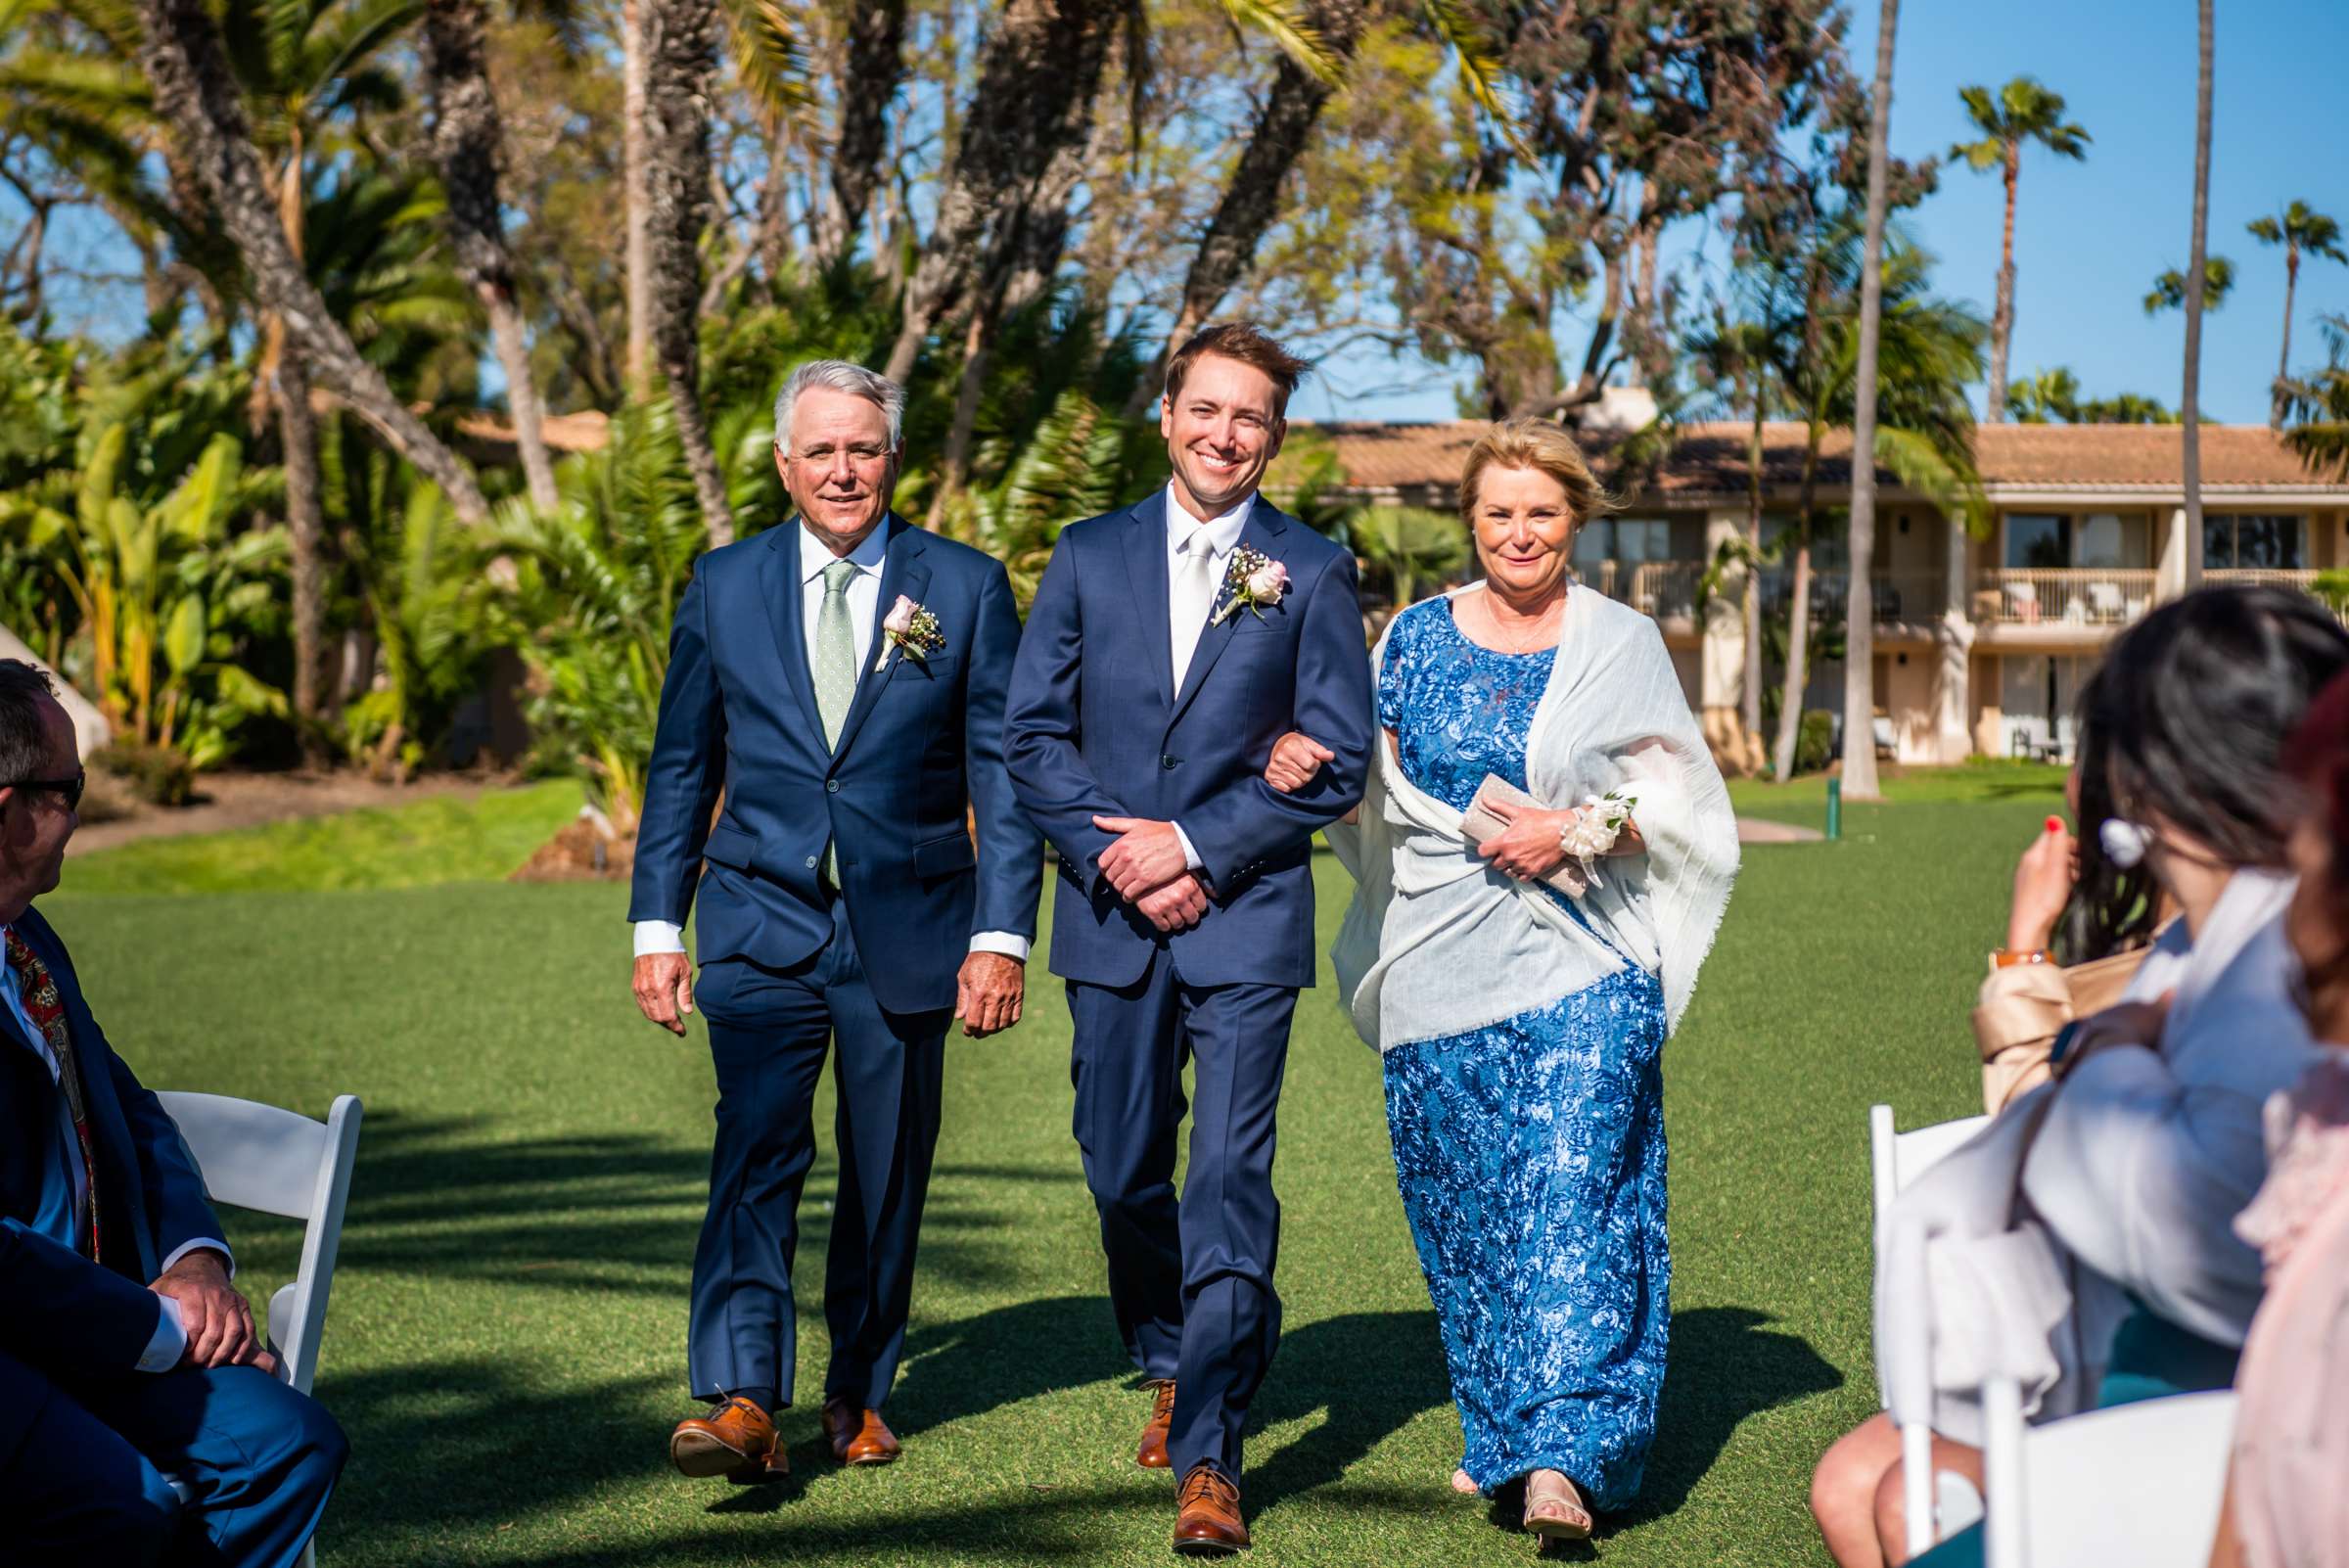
{"x":1535,"y":443}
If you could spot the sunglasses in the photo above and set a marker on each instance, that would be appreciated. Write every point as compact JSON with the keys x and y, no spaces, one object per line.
{"x":70,"y":788}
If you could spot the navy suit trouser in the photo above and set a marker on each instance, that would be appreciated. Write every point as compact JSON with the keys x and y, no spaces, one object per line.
{"x":769,"y":1029}
{"x":1191,"y":1282}
{"x":87,"y":1482}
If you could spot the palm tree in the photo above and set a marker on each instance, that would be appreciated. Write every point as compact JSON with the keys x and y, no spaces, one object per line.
{"x":2318,"y":408}
{"x":2189,"y":398}
{"x":2300,"y":230}
{"x":2022,"y":112}
{"x":2169,"y":291}
{"x":1929,"y":351}
{"x":1859,"y":618}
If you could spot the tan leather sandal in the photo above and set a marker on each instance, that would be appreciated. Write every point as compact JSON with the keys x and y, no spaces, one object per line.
{"x":1553,"y":1508}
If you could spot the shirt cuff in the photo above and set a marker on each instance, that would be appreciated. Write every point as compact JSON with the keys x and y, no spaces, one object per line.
{"x":1010,"y":944}
{"x":170,"y":1341}
{"x":201,"y":1244}
{"x":659,"y":935}
{"x":1190,"y":855}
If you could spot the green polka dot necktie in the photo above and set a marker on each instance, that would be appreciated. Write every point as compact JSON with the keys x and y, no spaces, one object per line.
{"x":835,"y":669}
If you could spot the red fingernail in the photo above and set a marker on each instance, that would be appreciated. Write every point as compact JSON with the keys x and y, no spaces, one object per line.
{"x":2055,"y":825}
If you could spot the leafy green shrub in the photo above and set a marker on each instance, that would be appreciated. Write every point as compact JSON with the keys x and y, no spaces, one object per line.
{"x":160,"y":775}
{"x":1815,"y":742}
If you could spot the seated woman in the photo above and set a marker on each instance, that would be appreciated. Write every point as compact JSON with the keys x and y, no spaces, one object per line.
{"x":2285,"y":1505}
{"x":2135,"y":1162}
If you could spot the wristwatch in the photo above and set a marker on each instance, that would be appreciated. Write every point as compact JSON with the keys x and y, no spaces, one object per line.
{"x":2005,"y":959}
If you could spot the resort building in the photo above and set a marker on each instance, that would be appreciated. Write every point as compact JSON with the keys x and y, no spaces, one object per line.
{"x":1981,"y":642}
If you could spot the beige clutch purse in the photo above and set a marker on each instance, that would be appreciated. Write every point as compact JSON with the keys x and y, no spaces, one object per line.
{"x":1481,"y":823}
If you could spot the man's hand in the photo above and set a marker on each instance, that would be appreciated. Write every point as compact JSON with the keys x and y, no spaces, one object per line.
{"x":1296,"y":757}
{"x":989,"y":992}
{"x":663,"y":984}
{"x":1147,"y":855}
{"x":1177,"y":907}
{"x":214,"y":1313}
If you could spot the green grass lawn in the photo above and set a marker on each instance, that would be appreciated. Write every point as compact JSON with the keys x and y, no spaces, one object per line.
{"x":507,"y":1339}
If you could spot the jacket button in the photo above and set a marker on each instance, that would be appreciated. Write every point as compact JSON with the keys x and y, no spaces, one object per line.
{"x":832,"y":786}
{"x":811,"y":862}
{"x":1168,"y":762}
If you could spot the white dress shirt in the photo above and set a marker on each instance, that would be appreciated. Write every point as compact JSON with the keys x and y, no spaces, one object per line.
{"x":171,"y":1341}
{"x":864,"y":613}
{"x":1224,"y":532}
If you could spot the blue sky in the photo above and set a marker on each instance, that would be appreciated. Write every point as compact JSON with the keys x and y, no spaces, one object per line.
{"x":2088,"y":237}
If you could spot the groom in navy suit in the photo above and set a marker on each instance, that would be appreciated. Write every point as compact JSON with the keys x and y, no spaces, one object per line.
{"x":127,"y":1359}
{"x":1170,"y":646}
{"x":840,"y":680}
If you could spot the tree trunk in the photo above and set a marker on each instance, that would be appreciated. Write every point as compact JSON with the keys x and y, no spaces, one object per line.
{"x":634,"y":182}
{"x":1750,"y":694}
{"x":306,"y":528}
{"x":681,"y":57}
{"x":196,"y":96}
{"x":455,"y":68}
{"x":874,"y":64}
{"x":2283,"y":359}
{"x":1252,"y":199}
{"x":2002,"y":321}
{"x":2190,"y":399}
{"x":1860,"y":616}
{"x":1038,"y":73}
{"x":1797,"y":638}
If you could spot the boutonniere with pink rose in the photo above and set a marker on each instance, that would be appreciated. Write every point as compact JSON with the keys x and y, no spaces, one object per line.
{"x":910,"y":629}
{"x":1254,"y":582}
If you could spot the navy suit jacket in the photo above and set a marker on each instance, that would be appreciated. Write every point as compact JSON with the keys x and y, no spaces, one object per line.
{"x":1097,"y":727}
{"x":59,"y":1311}
{"x":922,"y":740}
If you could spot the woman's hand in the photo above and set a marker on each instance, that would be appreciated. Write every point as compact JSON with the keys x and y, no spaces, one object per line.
{"x":1529,"y":848}
{"x":2043,"y":886}
{"x":1296,"y":757}
{"x":2139,"y":1023}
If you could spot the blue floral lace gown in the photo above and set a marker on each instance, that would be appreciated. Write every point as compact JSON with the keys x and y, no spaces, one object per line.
{"x":1530,"y":1153}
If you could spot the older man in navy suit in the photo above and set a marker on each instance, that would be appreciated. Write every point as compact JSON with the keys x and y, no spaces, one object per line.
{"x":127,"y":1359}
{"x":840,"y":680}
{"x":1170,"y":646}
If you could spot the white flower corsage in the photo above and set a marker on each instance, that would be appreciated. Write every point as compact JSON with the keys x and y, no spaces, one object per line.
{"x":910,"y":629}
{"x":1254,"y":581}
{"x":1593,"y":831}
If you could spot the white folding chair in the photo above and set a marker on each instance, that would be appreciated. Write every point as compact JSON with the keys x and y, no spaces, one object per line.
{"x":2137,"y":1483}
{"x":280,"y":1162}
{"x":1895,"y":1160}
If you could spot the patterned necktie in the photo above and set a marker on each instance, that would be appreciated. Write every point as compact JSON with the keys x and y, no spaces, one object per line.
{"x":1193,"y":597}
{"x":37,"y":990}
{"x":835,"y":669}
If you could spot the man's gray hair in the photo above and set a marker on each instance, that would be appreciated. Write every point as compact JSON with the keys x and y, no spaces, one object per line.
{"x":839,"y":375}
{"x":23,"y":737}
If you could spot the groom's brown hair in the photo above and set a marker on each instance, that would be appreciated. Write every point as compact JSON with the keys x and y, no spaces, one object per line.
{"x":1250,"y":345}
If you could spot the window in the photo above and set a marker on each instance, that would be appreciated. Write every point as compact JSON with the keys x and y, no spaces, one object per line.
{"x":1629,"y":540}
{"x":2245,"y":541}
{"x":2112,"y":541}
{"x":2036,"y":542}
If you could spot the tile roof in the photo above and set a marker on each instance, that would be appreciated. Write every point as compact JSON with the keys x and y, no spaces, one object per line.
{"x":1710,"y":457}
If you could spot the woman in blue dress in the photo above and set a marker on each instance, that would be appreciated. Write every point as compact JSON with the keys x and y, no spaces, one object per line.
{"x":1521,"y":983}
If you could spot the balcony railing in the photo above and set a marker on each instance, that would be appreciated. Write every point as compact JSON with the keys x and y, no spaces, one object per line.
{"x":1898,"y":596}
{"x":2069,"y":596}
{"x":2261,"y":577}
{"x":1665,"y":589}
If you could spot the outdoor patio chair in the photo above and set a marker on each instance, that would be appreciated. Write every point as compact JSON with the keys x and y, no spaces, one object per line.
{"x":2106,"y":598}
{"x":2026,"y":600}
{"x":2137,"y":1483}
{"x":1895,"y":1160}
{"x":280,"y":1162}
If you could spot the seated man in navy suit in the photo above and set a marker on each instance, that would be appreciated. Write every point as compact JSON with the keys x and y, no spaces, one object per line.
{"x":125,"y":1356}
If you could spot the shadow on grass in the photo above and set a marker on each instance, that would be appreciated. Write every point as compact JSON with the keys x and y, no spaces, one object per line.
{"x":1724,"y":1366}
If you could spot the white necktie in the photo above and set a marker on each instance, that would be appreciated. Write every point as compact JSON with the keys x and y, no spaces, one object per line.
{"x":1193,"y":596}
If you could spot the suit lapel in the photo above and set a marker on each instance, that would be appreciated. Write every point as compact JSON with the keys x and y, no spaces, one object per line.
{"x":1262,"y":532}
{"x":1146,"y":574}
{"x":902,"y":572}
{"x":780,"y":587}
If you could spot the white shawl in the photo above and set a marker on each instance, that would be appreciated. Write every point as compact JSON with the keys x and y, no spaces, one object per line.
{"x":1437,"y":942}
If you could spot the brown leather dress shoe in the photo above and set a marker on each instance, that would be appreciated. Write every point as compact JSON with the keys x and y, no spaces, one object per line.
{"x":737,"y":1441}
{"x":1210,"y":1523}
{"x":1152,"y":1453}
{"x":859,"y":1436}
